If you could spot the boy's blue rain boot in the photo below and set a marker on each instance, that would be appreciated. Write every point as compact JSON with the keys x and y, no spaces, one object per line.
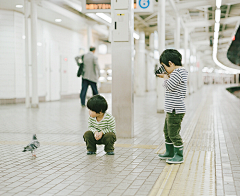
{"x":169,"y":151}
{"x":178,"y":155}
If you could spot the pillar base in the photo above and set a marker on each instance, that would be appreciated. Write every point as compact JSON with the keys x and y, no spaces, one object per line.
{"x":160,"y":111}
{"x":34,"y":106}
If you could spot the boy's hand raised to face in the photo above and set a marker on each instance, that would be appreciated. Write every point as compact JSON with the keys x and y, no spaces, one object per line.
{"x":164,"y":76}
{"x":98,"y":135}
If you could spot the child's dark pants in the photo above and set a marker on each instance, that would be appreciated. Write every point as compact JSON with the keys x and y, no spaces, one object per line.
{"x":107,"y":139}
{"x":172,"y":128}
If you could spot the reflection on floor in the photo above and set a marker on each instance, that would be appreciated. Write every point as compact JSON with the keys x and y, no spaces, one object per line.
{"x":211,"y":149}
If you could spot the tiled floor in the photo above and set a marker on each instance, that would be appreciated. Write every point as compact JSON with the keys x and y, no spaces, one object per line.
{"x":211,"y":141}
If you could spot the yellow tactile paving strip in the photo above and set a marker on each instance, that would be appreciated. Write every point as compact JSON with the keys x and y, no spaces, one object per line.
{"x":77,"y":144}
{"x":196,"y":176}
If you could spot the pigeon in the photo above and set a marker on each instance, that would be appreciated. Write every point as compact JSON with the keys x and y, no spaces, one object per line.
{"x":32,"y":146}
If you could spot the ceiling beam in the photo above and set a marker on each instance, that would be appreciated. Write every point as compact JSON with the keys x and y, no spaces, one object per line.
{"x":226,"y":15}
{"x":204,"y":23}
{"x":151,"y":16}
{"x":141,"y":20}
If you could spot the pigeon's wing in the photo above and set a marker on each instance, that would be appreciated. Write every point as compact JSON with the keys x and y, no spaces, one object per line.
{"x":36,"y":143}
{"x":28,"y":148}
{"x":32,"y":146}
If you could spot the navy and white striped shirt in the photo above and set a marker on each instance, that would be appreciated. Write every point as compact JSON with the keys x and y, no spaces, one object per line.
{"x":176,"y":90}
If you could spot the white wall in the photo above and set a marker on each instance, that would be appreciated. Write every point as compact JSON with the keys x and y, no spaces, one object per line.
{"x":69,"y":43}
{"x":7,"y":55}
{"x":12,"y":55}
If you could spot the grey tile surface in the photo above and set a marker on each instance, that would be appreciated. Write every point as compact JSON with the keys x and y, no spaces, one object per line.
{"x":63,"y":168}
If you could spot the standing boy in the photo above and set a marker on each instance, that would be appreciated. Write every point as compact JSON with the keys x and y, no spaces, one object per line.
{"x":175,"y":83}
{"x":101,"y":126}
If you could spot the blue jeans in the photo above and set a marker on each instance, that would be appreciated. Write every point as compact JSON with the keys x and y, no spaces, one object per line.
{"x":85,"y":84}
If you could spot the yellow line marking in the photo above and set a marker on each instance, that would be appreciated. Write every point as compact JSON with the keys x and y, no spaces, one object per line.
{"x":160,"y":180}
{"x":77,"y":144}
{"x":166,"y":179}
{"x":145,"y":146}
{"x":167,"y":183}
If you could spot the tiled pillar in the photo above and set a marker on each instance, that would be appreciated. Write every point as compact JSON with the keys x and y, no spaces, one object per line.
{"x":140,"y":66}
{"x":122,"y":66}
{"x":186,"y":65}
{"x":26,"y":15}
{"x":35,"y":100}
{"x":161,"y":48}
{"x":177,"y":34}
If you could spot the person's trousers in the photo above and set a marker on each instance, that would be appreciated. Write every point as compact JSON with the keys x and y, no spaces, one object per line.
{"x":85,"y":84}
{"x":107,"y":139}
{"x":172,"y":128}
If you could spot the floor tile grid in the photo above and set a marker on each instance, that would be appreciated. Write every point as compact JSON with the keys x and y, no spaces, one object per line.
{"x":196,"y":176}
{"x":227,"y":133}
{"x":59,"y":172}
{"x":166,"y":179}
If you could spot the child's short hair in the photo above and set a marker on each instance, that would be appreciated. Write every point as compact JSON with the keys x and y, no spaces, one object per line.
{"x":98,"y":104}
{"x":171,"y":55}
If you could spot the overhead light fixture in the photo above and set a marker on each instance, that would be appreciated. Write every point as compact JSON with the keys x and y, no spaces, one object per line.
{"x":58,"y":20}
{"x":231,"y":70}
{"x":135,"y":35}
{"x":215,"y":44}
{"x":215,"y":35}
{"x":216,"y":27}
{"x":104,"y":17}
{"x":217,"y":15}
{"x":218,"y":3}
{"x":19,"y":6}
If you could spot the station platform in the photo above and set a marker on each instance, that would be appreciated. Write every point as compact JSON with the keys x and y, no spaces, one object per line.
{"x":210,"y":131}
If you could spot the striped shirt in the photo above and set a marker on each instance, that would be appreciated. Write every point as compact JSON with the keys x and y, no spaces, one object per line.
{"x":176,"y":90}
{"x":106,"y":125}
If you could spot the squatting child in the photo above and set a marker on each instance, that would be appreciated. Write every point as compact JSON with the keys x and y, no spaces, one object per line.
{"x":175,"y":83}
{"x":101,"y":126}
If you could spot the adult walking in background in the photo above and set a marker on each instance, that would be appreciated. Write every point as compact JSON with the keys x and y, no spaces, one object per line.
{"x":91,"y":73}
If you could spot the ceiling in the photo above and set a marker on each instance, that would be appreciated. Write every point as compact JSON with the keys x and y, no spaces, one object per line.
{"x":197,"y":16}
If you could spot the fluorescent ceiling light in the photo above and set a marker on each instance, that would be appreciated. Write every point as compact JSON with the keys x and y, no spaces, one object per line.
{"x":19,"y":6}
{"x":215,"y":35}
{"x":58,"y":20}
{"x":135,"y":35}
{"x":216,"y":27}
{"x":104,"y":17}
{"x":218,"y":3}
{"x":231,"y":70}
{"x":217,"y":15}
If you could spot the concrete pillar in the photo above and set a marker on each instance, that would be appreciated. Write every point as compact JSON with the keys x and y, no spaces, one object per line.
{"x":122,"y":67}
{"x":237,"y":78}
{"x":177,"y":34}
{"x":185,"y":58}
{"x":89,"y":37}
{"x":35,"y":100}
{"x":161,"y":48}
{"x":140,"y":71}
{"x":26,"y":15}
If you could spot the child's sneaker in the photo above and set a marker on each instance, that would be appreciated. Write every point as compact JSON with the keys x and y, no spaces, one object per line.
{"x":90,"y":153}
{"x":110,"y":153}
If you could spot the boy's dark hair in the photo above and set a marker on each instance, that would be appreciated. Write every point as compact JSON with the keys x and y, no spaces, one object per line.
{"x":92,"y":48}
{"x":98,"y":104}
{"x":171,"y":55}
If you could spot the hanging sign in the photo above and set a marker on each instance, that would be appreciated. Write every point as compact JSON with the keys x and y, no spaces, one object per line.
{"x":144,"y":6}
{"x":95,"y":6}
